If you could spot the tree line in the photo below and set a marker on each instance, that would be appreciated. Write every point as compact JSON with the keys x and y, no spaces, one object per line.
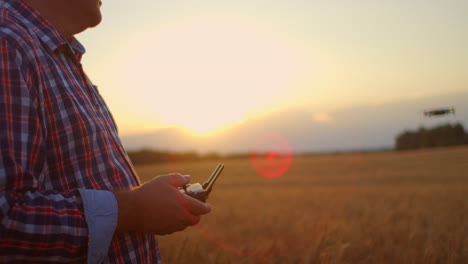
{"x":441,"y":136}
{"x":148,"y":156}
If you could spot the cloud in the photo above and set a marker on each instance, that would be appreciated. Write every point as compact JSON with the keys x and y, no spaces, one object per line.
{"x":357,"y":128}
{"x":323,"y":118}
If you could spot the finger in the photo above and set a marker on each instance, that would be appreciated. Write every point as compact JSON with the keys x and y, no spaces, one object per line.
{"x":193,"y":219}
{"x":196,"y":207}
{"x":177,"y":180}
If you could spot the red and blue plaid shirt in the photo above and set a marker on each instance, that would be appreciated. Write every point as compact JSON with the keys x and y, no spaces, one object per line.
{"x":56,"y":137}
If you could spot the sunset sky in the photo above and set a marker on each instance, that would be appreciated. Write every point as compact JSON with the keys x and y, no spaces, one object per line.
{"x":203,"y":65}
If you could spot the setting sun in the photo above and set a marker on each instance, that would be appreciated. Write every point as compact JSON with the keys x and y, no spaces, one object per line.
{"x":206,"y":65}
{"x":205,"y":73}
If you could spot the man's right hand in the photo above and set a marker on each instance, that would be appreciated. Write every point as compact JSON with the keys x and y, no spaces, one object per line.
{"x":158,"y":207}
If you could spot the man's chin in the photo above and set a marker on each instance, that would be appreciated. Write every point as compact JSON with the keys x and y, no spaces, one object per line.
{"x":90,"y":24}
{"x":94,"y":23}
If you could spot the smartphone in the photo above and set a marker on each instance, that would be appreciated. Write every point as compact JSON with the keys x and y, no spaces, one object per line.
{"x":199,"y":191}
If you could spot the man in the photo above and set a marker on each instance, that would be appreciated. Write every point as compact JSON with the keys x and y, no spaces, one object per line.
{"x":61,"y":161}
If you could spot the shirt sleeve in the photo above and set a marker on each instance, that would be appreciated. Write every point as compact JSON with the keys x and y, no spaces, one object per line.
{"x":101,"y":213}
{"x":36,"y":225}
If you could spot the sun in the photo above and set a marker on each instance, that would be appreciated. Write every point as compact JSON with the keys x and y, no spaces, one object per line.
{"x":204,"y":73}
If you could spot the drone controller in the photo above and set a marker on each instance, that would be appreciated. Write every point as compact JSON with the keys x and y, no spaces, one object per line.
{"x":199,"y":191}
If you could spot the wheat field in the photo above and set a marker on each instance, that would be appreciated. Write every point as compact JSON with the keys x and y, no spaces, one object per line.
{"x":388,"y":207}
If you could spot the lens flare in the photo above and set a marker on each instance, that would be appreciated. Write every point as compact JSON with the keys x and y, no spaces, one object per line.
{"x":271,"y":155}
{"x":265,"y":219}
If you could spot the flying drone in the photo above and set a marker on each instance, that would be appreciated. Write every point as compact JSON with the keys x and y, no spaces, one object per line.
{"x":439,"y":112}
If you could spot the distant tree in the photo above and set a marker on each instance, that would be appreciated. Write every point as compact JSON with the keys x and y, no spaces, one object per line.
{"x":211,"y":156}
{"x":146,"y":156}
{"x":441,"y":136}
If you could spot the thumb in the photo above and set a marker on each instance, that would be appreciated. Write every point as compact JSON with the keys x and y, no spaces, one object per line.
{"x":178,"y":180}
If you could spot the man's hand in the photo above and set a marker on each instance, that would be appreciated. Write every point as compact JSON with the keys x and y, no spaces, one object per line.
{"x":158,"y":207}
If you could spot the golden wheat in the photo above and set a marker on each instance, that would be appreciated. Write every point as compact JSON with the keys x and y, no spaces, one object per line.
{"x":391,"y":207}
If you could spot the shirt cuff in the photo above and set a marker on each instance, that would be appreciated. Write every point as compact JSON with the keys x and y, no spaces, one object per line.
{"x":101,"y":212}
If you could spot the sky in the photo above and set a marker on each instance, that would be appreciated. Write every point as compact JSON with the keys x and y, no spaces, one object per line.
{"x":204,"y":65}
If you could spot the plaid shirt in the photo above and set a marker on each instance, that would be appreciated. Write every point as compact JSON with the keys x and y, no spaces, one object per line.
{"x":56,"y":136}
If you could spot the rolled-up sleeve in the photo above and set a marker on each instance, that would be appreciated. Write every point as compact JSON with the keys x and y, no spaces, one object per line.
{"x":101,"y":213}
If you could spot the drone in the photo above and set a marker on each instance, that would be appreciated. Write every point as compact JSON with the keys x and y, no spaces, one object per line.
{"x":439,"y":112}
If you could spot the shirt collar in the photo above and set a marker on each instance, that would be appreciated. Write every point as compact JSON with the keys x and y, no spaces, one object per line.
{"x":45,"y":31}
